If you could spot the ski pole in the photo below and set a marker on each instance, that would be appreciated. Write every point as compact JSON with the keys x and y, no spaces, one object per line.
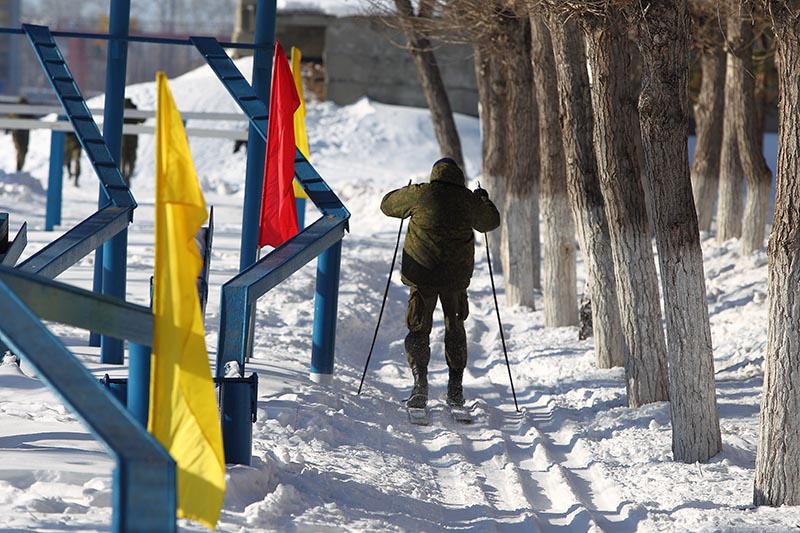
{"x":499,"y":322}
{"x":383,"y":304}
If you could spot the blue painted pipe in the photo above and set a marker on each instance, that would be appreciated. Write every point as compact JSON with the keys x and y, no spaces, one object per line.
{"x":115,"y":251}
{"x":254,"y":178}
{"x":55,"y":181}
{"x":139,"y":382}
{"x":301,"y":213}
{"x":325,"y":312}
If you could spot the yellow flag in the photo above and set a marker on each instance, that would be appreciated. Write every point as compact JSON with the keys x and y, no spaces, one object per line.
{"x":300,"y":136}
{"x":183,"y":409}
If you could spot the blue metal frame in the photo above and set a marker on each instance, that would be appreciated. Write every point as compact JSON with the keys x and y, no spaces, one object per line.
{"x":144,"y":496}
{"x":321,"y":239}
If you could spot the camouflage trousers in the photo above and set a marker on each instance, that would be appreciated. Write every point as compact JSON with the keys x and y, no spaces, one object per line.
{"x":419,"y":319}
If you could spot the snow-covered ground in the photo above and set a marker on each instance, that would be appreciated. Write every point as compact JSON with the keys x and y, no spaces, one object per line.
{"x":574,"y":459}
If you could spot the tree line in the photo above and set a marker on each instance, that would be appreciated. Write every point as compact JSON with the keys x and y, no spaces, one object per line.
{"x":585,"y":114}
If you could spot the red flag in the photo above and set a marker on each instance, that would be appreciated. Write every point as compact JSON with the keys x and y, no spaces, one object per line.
{"x":278,"y":210}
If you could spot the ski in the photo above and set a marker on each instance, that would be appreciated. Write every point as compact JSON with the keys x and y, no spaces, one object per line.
{"x":462,"y":415}
{"x":418,"y":416}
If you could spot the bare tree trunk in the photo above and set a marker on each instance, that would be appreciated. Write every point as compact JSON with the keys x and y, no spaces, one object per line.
{"x":729,"y":202}
{"x":708,"y":114}
{"x":637,"y":282}
{"x":583,"y":186}
{"x":743,"y":108}
{"x":559,"y":268}
{"x":634,"y":77}
{"x":664,"y":113}
{"x":492,"y":108}
{"x":521,"y":211}
{"x":430,"y":79}
{"x":777,"y":477}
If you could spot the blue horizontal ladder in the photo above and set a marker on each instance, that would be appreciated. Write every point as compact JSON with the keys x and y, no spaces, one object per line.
{"x":79,"y":116}
{"x":321,"y":239}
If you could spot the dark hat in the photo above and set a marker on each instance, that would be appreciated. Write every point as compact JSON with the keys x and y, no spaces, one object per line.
{"x":446,"y":169}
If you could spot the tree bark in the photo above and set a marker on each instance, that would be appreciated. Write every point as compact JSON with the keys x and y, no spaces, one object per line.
{"x":729,"y":202}
{"x":663,"y":110}
{"x":744,"y":109}
{"x":558,"y":257}
{"x":430,"y":78}
{"x":521,"y":267}
{"x":492,"y":110}
{"x":583,"y":186}
{"x":637,"y":282}
{"x":708,"y":114}
{"x":777,"y":476}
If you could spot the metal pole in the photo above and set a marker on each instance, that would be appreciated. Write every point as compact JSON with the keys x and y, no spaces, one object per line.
{"x":325,"y":313}
{"x":383,"y":303}
{"x":115,"y":251}
{"x":256,"y":148}
{"x":138,"y":399}
{"x":55,"y":181}
{"x":499,"y":322}
{"x":300,"y":203}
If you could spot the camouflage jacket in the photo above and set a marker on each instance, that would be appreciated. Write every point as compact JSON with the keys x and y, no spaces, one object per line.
{"x":439,"y":250}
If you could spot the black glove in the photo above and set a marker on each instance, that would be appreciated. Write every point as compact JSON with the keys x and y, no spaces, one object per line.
{"x":481,"y":193}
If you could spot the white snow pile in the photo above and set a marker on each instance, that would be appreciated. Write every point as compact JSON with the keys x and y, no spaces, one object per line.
{"x":574,"y":458}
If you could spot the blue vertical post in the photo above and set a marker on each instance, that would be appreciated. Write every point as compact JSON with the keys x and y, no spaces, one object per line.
{"x":325,"y":312}
{"x":300,"y":203}
{"x":97,"y":284}
{"x":254,"y":178}
{"x":115,"y":251}
{"x":139,"y":382}
{"x":139,"y":377}
{"x":55,"y":181}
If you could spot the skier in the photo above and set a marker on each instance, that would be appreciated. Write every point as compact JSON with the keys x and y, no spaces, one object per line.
{"x":437,"y":264}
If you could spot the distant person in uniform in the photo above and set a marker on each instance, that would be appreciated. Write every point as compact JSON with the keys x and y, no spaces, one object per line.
{"x":130,"y":142}
{"x":20,"y":138}
{"x":72,"y":156}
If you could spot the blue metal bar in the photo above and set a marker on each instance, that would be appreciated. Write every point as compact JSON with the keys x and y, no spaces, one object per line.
{"x":129,"y":38}
{"x":97,"y":281}
{"x":144,"y":480}
{"x":139,"y":365}
{"x":67,"y":304}
{"x":78,"y":242}
{"x":325,"y":312}
{"x":55,"y":181}
{"x":14,"y":250}
{"x":115,"y":251}
{"x":300,"y":203}
{"x":139,"y":358}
